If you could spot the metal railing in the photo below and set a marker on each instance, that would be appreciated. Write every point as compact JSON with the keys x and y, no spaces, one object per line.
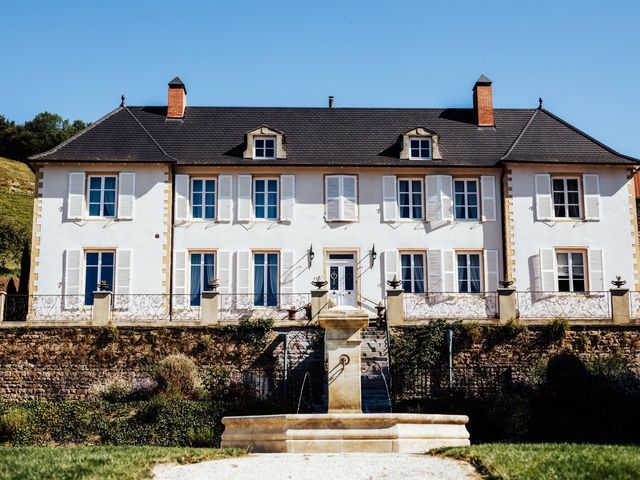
{"x":46,"y":308}
{"x":235,"y":306}
{"x":483,"y":305}
{"x":568,"y":305}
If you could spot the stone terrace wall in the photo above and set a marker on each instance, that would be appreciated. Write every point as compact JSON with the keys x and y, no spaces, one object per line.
{"x":63,"y":363}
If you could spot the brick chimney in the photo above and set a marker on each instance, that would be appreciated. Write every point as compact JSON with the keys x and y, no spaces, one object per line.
{"x":177,"y":99}
{"x":483,"y":102}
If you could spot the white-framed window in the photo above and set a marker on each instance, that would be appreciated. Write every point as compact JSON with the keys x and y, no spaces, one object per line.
{"x":102,"y":195}
{"x":412,"y":266}
{"x":571,"y":271}
{"x":566,"y":197}
{"x":203,"y":267}
{"x":469,"y":272}
{"x":410,"y":198}
{"x":265,"y":198}
{"x":99,"y":266}
{"x":341,"y":194}
{"x":265,"y":279}
{"x":203,"y":198}
{"x":420,"y":148}
{"x":466,"y":199}
{"x":264,"y":147}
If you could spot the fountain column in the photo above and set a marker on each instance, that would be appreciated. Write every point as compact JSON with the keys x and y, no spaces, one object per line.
{"x":342,"y":340}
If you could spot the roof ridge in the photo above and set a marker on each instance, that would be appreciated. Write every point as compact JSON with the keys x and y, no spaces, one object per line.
{"x":520,"y":135}
{"x":73,"y":137}
{"x":149,"y":135}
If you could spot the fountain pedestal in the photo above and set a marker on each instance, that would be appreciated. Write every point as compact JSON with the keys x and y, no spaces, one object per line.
{"x":344,"y":428}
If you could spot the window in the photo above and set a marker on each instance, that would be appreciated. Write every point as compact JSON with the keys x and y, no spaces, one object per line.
{"x":412,"y":265}
{"x":466,"y":199}
{"x":264,"y":147}
{"x":203,"y":198}
{"x":265,"y":279}
{"x":410,"y":198}
{"x":265,"y":198}
{"x":570,"y":267}
{"x":99,"y":267}
{"x":566,"y":197}
{"x":102,"y":196}
{"x":469,"y":273}
{"x":420,"y":148}
{"x":203,"y":267}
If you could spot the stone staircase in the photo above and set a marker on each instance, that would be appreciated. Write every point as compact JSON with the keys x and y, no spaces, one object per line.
{"x":375,"y":364}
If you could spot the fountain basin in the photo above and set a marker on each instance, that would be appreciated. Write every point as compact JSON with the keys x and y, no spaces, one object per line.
{"x":345,"y":432}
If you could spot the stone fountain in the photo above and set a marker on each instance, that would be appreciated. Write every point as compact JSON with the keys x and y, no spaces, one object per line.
{"x":344,"y":428}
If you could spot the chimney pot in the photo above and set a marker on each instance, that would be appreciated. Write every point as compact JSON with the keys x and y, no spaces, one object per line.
{"x":483,"y":102}
{"x":330,"y":102}
{"x":177,"y":99}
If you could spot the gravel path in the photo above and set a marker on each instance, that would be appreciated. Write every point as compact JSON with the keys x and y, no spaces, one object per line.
{"x":354,"y":466}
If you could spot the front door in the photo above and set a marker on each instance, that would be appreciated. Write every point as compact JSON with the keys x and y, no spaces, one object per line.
{"x":342,"y":279}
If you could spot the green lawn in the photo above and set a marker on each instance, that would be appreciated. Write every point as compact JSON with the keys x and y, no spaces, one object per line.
{"x":546,"y":461}
{"x":111,"y":463}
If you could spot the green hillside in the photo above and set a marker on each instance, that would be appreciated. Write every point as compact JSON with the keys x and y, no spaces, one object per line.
{"x":16,"y":199}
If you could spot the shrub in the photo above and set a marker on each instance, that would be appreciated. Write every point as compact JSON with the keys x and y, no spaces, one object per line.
{"x":557,"y":329}
{"x":217,"y":382}
{"x":114,"y":390}
{"x":15,"y":426}
{"x":176,"y":376}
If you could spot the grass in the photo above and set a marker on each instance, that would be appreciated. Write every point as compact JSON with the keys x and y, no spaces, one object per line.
{"x":110,"y":463}
{"x":546,"y":461}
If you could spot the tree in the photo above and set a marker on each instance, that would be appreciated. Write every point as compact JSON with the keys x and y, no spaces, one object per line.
{"x":14,"y":239}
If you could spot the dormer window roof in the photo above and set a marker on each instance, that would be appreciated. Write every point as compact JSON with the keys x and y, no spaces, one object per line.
{"x":420,"y":144}
{"x":264,"y":143}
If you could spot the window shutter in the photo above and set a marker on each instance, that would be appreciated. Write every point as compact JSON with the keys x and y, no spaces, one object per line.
{"x":242,"y":272}
{"x":544,"y":203}
{"x":75,"y":199}
{"x":182,"y":197}
{"x":126,"y":194}
{"x":223,"y":272}
{"x":123,"y":276}
{"x":434,"y":270}
{"x":332,"y":194}
{"x":591,"y":185}
{"x":434,"y":205}
{"x":180,"y":272}
{"x":596,"y":270}
{"x":73,"y":264}
{"x":446,"y":190}
{"x":349,"y":198}
{"x":389,"y":198}
{"x":225,"y":193}
{"x":244,"y":198}
{"x":287,"y":197}
{"x":288,"y":275}
{"x":548,"y":270}
{"x":390,"y":266}
{"x":449,"y":271}
{"x":488,"y":187}
{"x":491,"y":270}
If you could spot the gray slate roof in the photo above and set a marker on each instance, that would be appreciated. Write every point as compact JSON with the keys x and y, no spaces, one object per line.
{"x":322,"y":136}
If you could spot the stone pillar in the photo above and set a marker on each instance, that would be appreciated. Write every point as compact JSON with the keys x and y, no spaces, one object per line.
{"x":3,"y":303}
{"x":319,"y":302}
{"x":342,"y":343}
{"x":620,"y":308}
{"x":100,"y":313}
{"x":507,"y":304}
{"x":210,"y":308}
{"x":395,"y":306}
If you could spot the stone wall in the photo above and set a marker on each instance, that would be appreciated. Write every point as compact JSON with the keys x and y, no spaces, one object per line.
{"x":64,"y":363}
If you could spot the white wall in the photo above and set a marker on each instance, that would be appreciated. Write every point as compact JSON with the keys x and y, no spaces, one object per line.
{"x":59,"y":234}
{"x":613,"y":233}
{"x":309,"y":227}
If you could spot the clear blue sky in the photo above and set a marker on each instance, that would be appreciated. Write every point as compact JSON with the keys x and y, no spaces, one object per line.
{"x":77,"y":57}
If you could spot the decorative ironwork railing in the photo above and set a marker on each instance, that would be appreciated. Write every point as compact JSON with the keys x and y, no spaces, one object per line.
{"x":46,"y":308}
{"x":568,"y":305}
{"x":236,"y":306}
{"x":451,"y":305}
{"x":153,"y":308}
{"x":634,"y":299}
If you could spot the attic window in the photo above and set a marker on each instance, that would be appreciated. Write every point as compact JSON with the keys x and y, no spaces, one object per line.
{"x":264,"y":147}
{"x":420,"y":148}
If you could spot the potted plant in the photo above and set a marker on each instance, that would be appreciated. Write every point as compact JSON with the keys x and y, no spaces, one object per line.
{"x":292,"y":312}
{"x":214,"y":283}
{"x":394,"y":282}
{"x":103,"y":286}
{"x":319,"y":282}
{"x":380,"y":308}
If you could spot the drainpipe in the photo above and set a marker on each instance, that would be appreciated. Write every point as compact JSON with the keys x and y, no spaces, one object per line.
{"x":172,"y":176}
{"x":503,"y":224}
{"x":450,"y":342}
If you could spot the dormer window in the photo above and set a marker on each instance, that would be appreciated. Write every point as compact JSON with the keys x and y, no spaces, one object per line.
{"x":264,"y":147}
{"x":420,"y":148}
{"x":420,"y":144}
